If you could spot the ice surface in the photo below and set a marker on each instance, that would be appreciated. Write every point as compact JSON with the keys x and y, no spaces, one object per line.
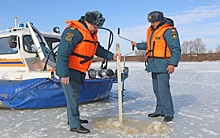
{"x":196,"y":95}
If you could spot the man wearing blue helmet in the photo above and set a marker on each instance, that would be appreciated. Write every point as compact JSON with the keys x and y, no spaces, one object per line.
{"x":78,"y":45}
{"x":163,"y":55}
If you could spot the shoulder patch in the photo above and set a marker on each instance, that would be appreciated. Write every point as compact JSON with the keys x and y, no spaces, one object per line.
{"x":69,"y":37}
{"x":174,"y":35}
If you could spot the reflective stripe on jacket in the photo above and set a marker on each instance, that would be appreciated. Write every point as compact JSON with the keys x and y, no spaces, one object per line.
{"x":156,"y":45}
{"x":81,"y":57}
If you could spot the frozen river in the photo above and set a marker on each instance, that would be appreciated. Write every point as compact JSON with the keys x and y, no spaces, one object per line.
{"x":196,"y":94}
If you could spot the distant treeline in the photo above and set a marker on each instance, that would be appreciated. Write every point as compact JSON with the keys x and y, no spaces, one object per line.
{"x":200,"y":57}
{"x":184,"y":58}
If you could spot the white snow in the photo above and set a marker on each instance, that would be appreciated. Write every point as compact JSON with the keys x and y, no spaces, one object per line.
{"x":195,"y":88}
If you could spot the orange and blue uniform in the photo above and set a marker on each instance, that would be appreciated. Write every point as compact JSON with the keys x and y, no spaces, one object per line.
{"x":162,"y":49}
{"x":76,"y":50}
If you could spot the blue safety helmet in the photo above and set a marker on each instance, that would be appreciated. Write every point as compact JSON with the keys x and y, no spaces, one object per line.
{"x":155,"y":16}
{"x":95,"y":18}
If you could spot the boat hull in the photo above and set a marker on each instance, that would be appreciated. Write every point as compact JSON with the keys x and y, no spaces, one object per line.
{"x":47,"y":93}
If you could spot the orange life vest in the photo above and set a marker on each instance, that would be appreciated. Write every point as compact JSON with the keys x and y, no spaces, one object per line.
{"x":81,"y":57}
{"x":157,"y":47}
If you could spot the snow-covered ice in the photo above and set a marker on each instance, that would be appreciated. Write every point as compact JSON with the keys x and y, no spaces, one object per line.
{"x":195,"y":88}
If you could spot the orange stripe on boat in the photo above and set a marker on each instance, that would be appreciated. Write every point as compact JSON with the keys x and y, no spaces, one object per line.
{"x":11,"y":62}
{"x":12,"y":65}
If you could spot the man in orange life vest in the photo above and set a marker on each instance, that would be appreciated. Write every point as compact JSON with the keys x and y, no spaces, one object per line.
{"x":78,"y":45}
{"x":163,"y":52}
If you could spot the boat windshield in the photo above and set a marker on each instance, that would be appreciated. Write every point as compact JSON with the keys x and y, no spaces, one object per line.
{"x":5,"y":46}
{"x":29,"y":45}
{"x":53,"y":44}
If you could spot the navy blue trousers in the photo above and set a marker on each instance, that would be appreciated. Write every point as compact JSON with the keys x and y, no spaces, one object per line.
{"x":161,"y":87}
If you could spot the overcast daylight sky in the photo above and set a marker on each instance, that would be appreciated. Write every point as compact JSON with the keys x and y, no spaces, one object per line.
{"x":193,"y":18}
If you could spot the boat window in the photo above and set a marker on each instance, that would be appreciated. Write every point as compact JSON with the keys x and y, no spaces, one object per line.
{"x":29,"y":45}
{"x":5,"y":46}
{"x":55,"y":46}
{"x":53,"y":43}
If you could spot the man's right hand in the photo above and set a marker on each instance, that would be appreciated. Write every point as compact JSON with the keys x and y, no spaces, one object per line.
{"x":65,"y":80}
{"x":133,"y":43}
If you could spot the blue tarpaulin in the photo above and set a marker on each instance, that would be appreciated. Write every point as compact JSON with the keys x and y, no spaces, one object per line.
{"x":47,"y":93}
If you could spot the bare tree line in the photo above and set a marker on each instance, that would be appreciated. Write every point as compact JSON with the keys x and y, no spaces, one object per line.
{"x":196,"y":47}
{"x":193,"y":47}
